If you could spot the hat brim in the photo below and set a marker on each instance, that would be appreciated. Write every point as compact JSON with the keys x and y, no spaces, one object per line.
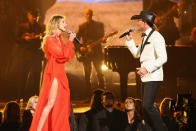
{"x":135,"y":17}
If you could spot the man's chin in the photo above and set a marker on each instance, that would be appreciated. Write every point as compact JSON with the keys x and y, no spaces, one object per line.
{"x":140,"y":29}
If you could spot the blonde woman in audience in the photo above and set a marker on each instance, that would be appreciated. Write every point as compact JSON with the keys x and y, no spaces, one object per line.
{"x":29,"y":112}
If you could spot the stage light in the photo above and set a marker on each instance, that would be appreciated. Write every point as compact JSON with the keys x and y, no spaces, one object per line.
{"x":104,"y":67}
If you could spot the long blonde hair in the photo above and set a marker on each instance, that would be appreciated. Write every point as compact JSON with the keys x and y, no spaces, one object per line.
{"x":30,"y":102}
{"x":51,"y":27}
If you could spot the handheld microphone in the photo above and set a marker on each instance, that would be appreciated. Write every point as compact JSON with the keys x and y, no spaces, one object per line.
{"x":126,"y":33}
{"x":76,"y":39}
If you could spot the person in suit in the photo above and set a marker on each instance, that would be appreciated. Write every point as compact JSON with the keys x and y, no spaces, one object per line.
{"x":109,"y":118}
{"x":85,"y":123}
{"x":152,"y":53}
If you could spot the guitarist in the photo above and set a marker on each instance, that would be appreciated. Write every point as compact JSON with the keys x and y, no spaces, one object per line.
{"x":30,"y":54}
{"x":166,"y":10}
{"x":89,"y":32}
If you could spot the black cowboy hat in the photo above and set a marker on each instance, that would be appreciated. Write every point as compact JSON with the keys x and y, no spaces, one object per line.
{"x":148,"y":16}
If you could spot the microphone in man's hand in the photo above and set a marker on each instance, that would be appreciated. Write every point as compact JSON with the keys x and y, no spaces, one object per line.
{"x":76,"y":39}
{"x":126,"y":33}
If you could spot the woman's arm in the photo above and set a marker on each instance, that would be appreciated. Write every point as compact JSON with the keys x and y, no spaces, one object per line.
{"x":60,"y":53}
{"x":68,"y":52}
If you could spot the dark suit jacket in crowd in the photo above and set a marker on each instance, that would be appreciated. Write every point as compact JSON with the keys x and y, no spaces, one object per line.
{"x":27,"y":119}
{"x":86,"y":121}
{"x":106,"y":121}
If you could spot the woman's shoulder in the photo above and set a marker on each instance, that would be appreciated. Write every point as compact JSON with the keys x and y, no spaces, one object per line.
{"x":49,"y":39}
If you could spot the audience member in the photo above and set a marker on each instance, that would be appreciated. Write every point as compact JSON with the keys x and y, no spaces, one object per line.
{"x":11,"y":117}
{"x":166,"y":111}
{"x":72,"y":120}
{"x":184,"y":112}
{"x":139,"y":108}
{"x":109,"y":118}
{"x":85,"y":123}
{"x":0,"y":118}
{"x":133,"y":121}
{"x":29,"y":112}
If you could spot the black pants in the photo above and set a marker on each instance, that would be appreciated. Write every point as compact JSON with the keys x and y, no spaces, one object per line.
{"x":88,"y":69}
{"x":151,"y":112}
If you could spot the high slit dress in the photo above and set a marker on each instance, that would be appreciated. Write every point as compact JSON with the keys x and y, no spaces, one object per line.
{"x":57,"y":54}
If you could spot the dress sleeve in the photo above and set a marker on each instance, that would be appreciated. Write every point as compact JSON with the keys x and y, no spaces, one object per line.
{"x":68,"y":52}
{"x":60,"y":53}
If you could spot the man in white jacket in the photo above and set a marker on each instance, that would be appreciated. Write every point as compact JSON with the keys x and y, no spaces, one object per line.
{"x":153,"y":55}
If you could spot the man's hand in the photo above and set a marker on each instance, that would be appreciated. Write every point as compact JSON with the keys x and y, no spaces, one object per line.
{"x":104,"y":39}
{"x":141,"y":71}
{"x":83,"y":49}
{"x":27,"y":38}
{"x":38,"y":36}
{"x":129,"y":37}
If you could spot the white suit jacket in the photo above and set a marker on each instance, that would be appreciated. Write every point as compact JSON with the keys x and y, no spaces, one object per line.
{"x":153,"y":56}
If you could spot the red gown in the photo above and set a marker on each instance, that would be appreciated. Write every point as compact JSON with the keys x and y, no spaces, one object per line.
{"x":57,"y":54}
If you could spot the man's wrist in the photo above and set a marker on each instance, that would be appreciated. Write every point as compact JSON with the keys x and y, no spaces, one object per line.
{"x":129,"y":42}
{"x":129,"y":38}
{"x":147,"y":69}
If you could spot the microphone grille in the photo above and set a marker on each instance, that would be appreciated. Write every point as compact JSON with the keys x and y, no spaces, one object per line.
{"x":133,"y":28}
{"x":68,"y":32}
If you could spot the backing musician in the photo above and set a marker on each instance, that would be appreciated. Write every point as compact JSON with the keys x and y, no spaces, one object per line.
{"x":90,"y":32}
{"x":29,"y":40}
{"x":166,"y":11}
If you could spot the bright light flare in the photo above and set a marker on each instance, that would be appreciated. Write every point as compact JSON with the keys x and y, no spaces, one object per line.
{"x":104,"y":67}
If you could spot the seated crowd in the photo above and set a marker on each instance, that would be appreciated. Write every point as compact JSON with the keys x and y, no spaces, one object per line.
{"x":106,"y":115}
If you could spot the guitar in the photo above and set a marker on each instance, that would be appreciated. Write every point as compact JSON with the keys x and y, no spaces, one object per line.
{"x":86,"y":49}
{"x":160,"y":20}
{"x":31,"y":36}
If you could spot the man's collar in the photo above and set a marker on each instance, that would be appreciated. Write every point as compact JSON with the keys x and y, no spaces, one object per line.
{"x":148,"y":31}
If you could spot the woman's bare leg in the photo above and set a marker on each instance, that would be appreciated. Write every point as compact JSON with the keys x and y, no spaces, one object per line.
{"x":49,"y":105}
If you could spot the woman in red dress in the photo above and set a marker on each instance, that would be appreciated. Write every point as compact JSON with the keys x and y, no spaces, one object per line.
{"x":53,"y":108}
